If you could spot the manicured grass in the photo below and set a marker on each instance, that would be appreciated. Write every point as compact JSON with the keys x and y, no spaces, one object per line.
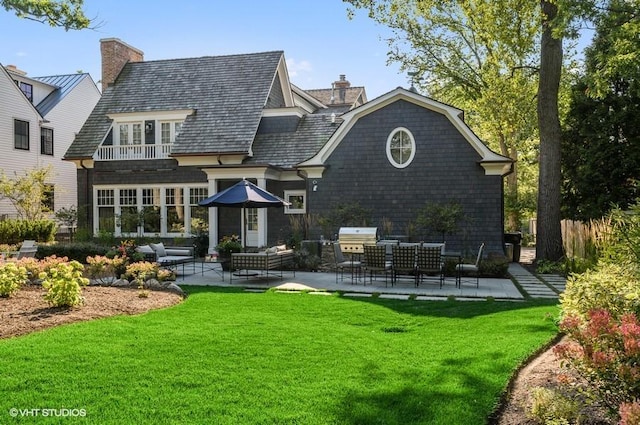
{"x":228,"y":357}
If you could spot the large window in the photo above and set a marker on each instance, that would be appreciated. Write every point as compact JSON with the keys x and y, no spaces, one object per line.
{"x":106,"y":210}
{"x":175,"y":210}
{"x":401,"y":147}
{"x":199,"y":214}
{"x":46,"y":141}
{"x":151,"y":206}
{"x":21,"y":134}
{"x":150,"y":211}
{"x":129,"y":218}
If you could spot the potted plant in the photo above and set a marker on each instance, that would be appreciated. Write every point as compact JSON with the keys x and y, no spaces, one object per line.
{"x":228,"y":245}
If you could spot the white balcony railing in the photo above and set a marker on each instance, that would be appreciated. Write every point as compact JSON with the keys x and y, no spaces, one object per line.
{"x":129,"y":152}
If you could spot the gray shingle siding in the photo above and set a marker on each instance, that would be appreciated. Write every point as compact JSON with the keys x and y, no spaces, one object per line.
{"x":445,"y":169}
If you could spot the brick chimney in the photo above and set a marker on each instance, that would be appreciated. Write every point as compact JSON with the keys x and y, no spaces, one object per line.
{"x":341,"y":85}
{"x":115,"y":54}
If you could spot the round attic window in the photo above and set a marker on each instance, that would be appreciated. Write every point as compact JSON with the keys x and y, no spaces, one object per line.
{"x":401,"y":147}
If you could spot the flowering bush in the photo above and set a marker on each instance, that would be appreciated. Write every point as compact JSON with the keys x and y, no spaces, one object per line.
{"x":102,"y":268}
{"x":63,"y":282}
{"x":141,"y":271}
{"x":229,"y":244}
{"x":12,"y":277}
{"x":605,"y":351}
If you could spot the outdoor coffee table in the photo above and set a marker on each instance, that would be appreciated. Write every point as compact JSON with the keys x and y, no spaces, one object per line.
{"x":211,"y":265}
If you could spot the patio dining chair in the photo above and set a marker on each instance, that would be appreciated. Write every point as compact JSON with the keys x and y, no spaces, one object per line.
{"x":375,"y":261}
{"x":403,"y":261}
{"x":343,"y":264}
{"x":466,"y":269}
{"x":430,"y":263}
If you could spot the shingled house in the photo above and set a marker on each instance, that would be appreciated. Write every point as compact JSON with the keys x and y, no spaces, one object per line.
{"x":168,"y":133}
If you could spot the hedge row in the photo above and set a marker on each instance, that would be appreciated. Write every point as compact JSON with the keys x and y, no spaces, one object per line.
{"x":15,"y":231}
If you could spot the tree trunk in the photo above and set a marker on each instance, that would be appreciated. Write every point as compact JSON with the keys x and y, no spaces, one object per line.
{"x":549,"y":235}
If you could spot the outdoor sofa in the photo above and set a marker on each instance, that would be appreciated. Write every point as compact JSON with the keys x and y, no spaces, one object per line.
{"x":270,"y":262}
{"x":168,"y":256}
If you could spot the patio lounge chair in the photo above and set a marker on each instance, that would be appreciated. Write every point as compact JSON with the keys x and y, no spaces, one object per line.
{"x":28,"y":249}
{"x":471,"y":269}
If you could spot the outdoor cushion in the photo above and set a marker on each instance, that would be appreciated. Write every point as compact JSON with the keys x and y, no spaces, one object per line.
{"x":272,"y":250}
{"x":177,"y":252}
{"x":159,"y":249}
{"x":145,"y":249}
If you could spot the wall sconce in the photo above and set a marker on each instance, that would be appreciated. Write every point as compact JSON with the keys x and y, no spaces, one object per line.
{"x":148,"y":127}
{"x":315,"y":186}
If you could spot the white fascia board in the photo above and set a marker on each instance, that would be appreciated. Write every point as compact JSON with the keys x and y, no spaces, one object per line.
{"x":285,"y":83}
{"x":297,"y":91}
{"x":284,"y":112}
{"x":31,"y":105}
{"x":180,"y":114}
{"x":497,"y":168}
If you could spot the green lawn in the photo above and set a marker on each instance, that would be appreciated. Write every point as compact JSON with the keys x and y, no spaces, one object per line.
{"x":228,"y":357}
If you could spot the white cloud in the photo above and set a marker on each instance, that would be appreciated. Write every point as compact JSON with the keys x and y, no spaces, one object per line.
{"x":295,"y":67}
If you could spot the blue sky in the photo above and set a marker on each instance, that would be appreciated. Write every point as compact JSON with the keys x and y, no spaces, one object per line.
{"x":318,"y":40}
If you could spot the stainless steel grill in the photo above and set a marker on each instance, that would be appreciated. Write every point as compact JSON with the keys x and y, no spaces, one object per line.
{"x":353,"y":239}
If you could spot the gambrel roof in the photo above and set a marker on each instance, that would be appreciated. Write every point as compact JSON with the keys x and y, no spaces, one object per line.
{"x":225,"y":95}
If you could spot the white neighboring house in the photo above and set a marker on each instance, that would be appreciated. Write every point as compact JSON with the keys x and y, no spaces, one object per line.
{"x":39,"y":118}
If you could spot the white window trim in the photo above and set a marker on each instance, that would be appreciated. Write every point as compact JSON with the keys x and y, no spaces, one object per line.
{"x":388,"y":148}
{"x":163,"y":206}
{"x":288,"y":209}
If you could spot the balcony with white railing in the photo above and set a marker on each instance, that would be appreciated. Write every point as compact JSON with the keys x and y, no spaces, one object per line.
{"x":131,"y":152}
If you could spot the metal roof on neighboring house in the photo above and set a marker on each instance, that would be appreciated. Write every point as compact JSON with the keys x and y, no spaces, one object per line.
{"x":227,"y":93}
{"x":64,"y":84}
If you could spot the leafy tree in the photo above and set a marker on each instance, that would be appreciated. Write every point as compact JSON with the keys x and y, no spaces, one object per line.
{"x":440,"y":218}
{"x":57,"y":13}
{"x":27,"y":193}
{"x":601,"y":142}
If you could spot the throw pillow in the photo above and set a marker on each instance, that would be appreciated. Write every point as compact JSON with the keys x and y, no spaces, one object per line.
{"x":159,"y":249}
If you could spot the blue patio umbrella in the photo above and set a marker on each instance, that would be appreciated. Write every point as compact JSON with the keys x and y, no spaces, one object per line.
{"x":244,"y":194}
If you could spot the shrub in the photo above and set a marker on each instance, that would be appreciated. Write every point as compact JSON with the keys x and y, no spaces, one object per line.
{"x":550,"y":406}
{"x":494,"y":267}
{"x":16,"y":231}
{"x":12,"y":277}
{"x":612,"y":287}
{"x":64,"y":282}
{"x":103,"y":269}
{"x":78,"y":251}
{"x":141,"y":271}
{"x":606,"y":353}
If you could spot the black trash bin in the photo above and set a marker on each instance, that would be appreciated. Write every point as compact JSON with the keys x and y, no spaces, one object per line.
{"x":514,"y":238}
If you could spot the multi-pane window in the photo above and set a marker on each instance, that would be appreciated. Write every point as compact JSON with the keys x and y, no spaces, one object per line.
{"x":129,"y":218}
{"x":401,"y":148}
{"x":252,"y":218}
{"x":137,"y":133}
{"x":124,"y":134}
{"x":21,"y":134}
{"x":169,"y":130}
{"x":106,"y":210}
{"x":199,"y":214}
{"x":46,"y":141}
{"x":151,"y":210}
{"x":175,"y":210}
